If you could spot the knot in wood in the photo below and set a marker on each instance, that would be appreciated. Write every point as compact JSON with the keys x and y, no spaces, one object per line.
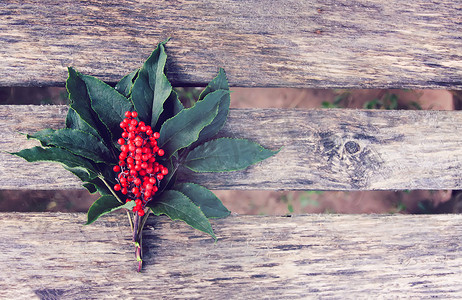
{"x":352,"y":147}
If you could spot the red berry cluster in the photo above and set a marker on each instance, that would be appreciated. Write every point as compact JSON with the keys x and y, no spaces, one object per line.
{"x":139,"y":174}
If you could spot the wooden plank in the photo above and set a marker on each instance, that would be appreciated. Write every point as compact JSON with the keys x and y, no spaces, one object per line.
{"x":321,"y":150}
{"x":53,"y":256}
{"x":297,"y":43}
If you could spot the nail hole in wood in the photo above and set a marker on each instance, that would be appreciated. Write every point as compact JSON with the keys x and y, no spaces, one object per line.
{"x":352,"y":147}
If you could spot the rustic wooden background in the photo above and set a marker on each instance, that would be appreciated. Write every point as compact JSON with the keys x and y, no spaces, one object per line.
{"x":53,"y":256}
{"x":296,"y":43}
{"x":320,"y":150}
{"x":319,"y":43}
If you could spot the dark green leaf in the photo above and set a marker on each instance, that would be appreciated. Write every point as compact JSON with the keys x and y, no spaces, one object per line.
{"x":152,"y":88}
{"x":172,"y":107}
{"x":74,"y":121}
{"x":226,"y":154}
{"x":80,"y":172}
{"x":80,"y":143}
{"x":91,"y":188}
{"x":210,"y":205}
{"x":169,"y":180}
{"x":81,"y":103}
{"x":99,"y":186}
{"x":109,"y":105}
{"x":39,"y":135}
{"x":178,"y":206}
{"x":183,"y":129}
{"x":220,"y":82}
{"x":62,"y":156}
{"x":124,"y":86}
{"x":106,"y":204}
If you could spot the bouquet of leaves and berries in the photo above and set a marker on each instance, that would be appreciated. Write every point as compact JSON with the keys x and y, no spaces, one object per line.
{"x":127,"y":143}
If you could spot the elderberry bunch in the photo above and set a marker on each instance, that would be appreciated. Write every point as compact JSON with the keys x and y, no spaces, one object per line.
{"x":139,"y":174}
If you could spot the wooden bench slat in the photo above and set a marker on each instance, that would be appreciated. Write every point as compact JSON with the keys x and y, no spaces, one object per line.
{"x":319,"y":256}
{"x":373,"y":43}
{"x":321,"y":150}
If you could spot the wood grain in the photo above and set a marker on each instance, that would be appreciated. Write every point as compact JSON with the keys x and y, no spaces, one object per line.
{"x":320,"y":150}
{"x":53,"y":256}
{"x":296,"y":43}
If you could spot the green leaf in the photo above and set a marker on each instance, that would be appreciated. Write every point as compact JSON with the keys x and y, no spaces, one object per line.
{"x":169,"y":180}
{"x":183,"y":129}
{"x":74,"y":121}
{"x":105,"y":204}
{"x":152,"y":88}
{"x":80,"y":172}
{"x":210,"y":205}
{"x":172,"y":107}
{"x":220,"y":82}
{"x":98,"y":186}
{"x":226,"y":154}
{"x":81,"y":103}
{"x":124,"y":86}
{"x":91,"y":188}
{"x":80,"y":143}
{"x":177,"y":206}
{"x":62,"y":156}
{"x":109,"y":105}
{"x":41,"y":134}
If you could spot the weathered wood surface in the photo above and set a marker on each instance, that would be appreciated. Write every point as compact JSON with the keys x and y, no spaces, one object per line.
{"x":53,"y":256}
{"x":321,"y":150}
{"x":297,"y":43}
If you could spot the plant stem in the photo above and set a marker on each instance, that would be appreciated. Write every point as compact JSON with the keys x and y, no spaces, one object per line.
{"x":130,"y":219}
{"x":137,"y":239}
{"x":109,"y":187}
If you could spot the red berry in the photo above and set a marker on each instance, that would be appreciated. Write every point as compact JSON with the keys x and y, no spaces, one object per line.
{"x":164,"y":171}
{"x":124,"y":191}
{"x":135,"y":190}
{"x":134,"y":114}
{"x":160,"y":176}
{"x":134,"y":122}
{"x":117,"y":187}
{"x":121,"y":141}
{"x":125,"y":134}
{"x":137,"y":181}
{"x":160,"y":152}
{"x":156,"y":135}
{"x":141,"y":213}
{"x":128,"y":114}
{"x":148,"y":131}
{"x":116,"y":169}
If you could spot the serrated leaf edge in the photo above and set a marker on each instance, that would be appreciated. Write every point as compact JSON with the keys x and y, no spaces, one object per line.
{"x":192,"y":183}
{"x":231,"y":170}
{"x":200,"y":212}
